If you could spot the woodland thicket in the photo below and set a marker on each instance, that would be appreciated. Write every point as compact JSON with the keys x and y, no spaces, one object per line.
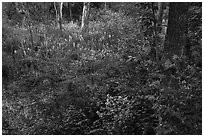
{"x":101,"y":68}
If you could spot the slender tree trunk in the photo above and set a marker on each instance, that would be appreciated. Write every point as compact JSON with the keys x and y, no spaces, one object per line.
{"x":70,"y":11}
{"x":60,"y":21}
{"x":105,"y":5}
{"x":176,"y":31}
{"x":85,"y":16}
{"x":159,"y":28}
{"x":158,"y":14}
{"x":58,"y":10}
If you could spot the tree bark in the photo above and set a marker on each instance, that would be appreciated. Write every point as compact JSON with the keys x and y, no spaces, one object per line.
{"x":85,"y":17}
{"x":58,"y":10}
{"x":176,"y":31}
{"x":158,"y":29}
{"x":160,"y":13}
{"x":175,"y":41}
{"x":70,"y":11}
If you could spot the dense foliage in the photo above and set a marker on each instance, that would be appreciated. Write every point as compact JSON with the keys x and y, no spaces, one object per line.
{"x":103,"y":82}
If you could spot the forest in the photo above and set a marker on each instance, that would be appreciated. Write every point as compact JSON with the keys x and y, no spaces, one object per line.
{"x":101,"y":68}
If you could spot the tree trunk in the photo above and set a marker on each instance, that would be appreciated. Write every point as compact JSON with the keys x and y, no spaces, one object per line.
{"x":176,"y":31}
{"x":105,"y":6}
{"x":85,"y":17}
{"x":70,"y":11}
{"x":160,"y":15}
{"x":60,"y":21}
{"x":158,"y":29}
{"x":58,"y":9}
{"x":175,"y":41}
